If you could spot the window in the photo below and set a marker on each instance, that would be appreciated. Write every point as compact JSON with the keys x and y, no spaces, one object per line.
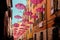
{"x":31,"y":25}
{"x":34,"y":6}
{"x":30,"y":4}
{"x":27,"y":6}
{"x":43,"y":13}
{"x":19,"y":39}
{"x":41,"y":36}
{"x":26,"y":17}
{"x":9,"y":11}
{"x":41,"y":24}
{"x":37,"y":14}
{"x":59,"y":34}
{"x":30,"y":18}
{"x":55,"y":2}
{"x":58,"y":4}
{"x":11,"y":3}
{"x":52,"y":7}
{"x":42,"y":16}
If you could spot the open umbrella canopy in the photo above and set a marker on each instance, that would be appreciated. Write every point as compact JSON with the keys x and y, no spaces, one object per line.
{"x":20,"y":33}
{"x":27,"y":26}
{"x":34,"y":16}
{"x":20,"y":6}
{"x":21,"y":28}
{"x":36,"y":1}
{"x":16,"y":25}
{"x":25,"y":20}
{"x":40,"y":9}
{"x":30,"y":22}
{"x":17,"y":17}
{"x":15,"y":29}
{"x":28,"y":13}
{"x":22,"y":24}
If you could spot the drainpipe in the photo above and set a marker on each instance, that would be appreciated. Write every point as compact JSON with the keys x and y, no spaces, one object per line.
{"x":46,"y":22}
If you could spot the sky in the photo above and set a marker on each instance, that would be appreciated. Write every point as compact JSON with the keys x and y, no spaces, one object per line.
{"x":15,"y":11}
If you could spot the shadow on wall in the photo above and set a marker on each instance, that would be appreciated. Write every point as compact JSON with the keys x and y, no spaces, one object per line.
{"x":56,"y":24}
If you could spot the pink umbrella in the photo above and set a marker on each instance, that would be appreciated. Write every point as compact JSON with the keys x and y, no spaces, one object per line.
{"x":20,"y":6}
{"x":30,"y":22}
{"x":15,"y":29}
{"x":15,"y":32}
{"x":25,"y":20}
{"x":22,"y":24}
{"x":20,"y":33}
{"x":16,"y":25}
{"x":27,"y":26}
{"x":34,"y":16}
{"x":21,"y":28}
{"x":40,"y":9}
{"x":28,"y":13}
{"x":17,"y":17}
{"x":25,"y":29}
{"x":36,"y":1}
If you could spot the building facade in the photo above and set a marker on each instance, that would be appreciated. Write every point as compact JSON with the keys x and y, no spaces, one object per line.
{"x":7,"y":21}
{"x":42,"y":20}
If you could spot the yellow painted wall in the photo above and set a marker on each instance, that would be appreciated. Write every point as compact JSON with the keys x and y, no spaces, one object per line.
{"x":49,"y":17}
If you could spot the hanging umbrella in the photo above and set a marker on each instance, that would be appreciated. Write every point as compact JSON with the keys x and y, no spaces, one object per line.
{"x":34,"y":16}
{"x":20,"y":33}
{"x":28,"y":13}
{"x":20,"y":6}
{"x":17,"y":17}
{"x":40,"y":9}
{"x":22,"y":24}
{"x":30,"y":22}
{"x":21,"y":28}
{"x":25,"y":29}
{"x":25,"y":20}
{"x":36,"y":1}
{"x":27,"y":26}
{"x":16,"y":25}
{"x":15,"y":29}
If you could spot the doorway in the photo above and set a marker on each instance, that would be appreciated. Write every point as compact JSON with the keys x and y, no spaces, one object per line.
{"x":55,"y":34}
